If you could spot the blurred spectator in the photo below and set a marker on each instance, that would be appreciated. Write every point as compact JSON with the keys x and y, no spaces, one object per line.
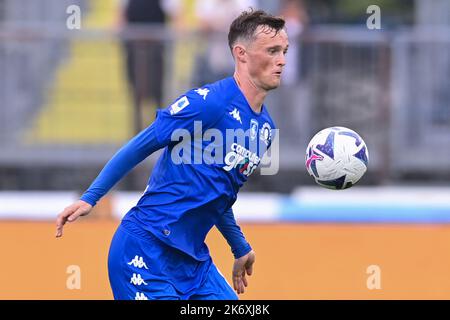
{"x":215,"y":16}
{"x":295,"y":127}
{"x":183,"y":22}
{"x":293,"y":11}
{"x":144,"y":58}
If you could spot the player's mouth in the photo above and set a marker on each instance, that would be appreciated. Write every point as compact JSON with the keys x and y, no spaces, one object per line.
{"x":278,"y":73}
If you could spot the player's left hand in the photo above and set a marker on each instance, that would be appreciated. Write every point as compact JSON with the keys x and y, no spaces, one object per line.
{"x":71,"y":213}
{"x":241,"y":267}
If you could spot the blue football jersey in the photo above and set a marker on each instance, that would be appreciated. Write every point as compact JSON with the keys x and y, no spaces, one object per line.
{"x":214,"y":143}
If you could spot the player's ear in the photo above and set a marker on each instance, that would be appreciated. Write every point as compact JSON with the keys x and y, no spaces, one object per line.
{"x":239,"y":53}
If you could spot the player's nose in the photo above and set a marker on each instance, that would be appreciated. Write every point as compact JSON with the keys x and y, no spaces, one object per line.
{"x":281,"y":61}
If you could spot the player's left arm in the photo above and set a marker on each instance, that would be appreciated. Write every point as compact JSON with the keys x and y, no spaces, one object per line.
{"x":242,"y":251}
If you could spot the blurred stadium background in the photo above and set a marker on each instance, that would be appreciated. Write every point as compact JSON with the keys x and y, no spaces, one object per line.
{"x":66,"y":106}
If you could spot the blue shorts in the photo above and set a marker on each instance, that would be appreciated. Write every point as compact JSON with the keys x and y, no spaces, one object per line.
{"x":140,"y":266}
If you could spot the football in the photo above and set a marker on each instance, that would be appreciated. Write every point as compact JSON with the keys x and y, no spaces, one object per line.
{"x":337,"y":158}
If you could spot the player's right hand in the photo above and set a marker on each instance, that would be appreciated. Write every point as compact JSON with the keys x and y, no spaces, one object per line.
{"x":70,"y":214}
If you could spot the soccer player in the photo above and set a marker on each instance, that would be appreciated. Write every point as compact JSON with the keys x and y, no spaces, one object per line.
{"x":159,"y":250}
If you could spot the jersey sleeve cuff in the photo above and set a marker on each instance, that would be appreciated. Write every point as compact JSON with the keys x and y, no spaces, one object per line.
{"x":241,"y":251}
{"x":88,"y":199}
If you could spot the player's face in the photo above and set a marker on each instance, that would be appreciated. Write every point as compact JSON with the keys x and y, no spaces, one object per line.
{"x":267,"y":57}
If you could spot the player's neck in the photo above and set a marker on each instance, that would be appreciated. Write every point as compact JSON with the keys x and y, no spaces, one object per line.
{"x":254,"y":95}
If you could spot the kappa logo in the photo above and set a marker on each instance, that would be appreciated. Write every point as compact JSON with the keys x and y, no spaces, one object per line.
{"x":203,"y":92}
{"x":140,"y":296}
{"x":137,"y":280}
{"x":235,"y":114}
{"x":138,"y":262}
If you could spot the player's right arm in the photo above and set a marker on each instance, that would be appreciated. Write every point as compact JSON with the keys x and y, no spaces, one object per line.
{"x":135,"y":151}
{"x":182,"y":114}
{"x":71,"y":213}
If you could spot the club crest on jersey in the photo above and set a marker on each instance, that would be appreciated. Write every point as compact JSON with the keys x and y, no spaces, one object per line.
{"x":253,"y":129}
{"x":265,"y":134}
